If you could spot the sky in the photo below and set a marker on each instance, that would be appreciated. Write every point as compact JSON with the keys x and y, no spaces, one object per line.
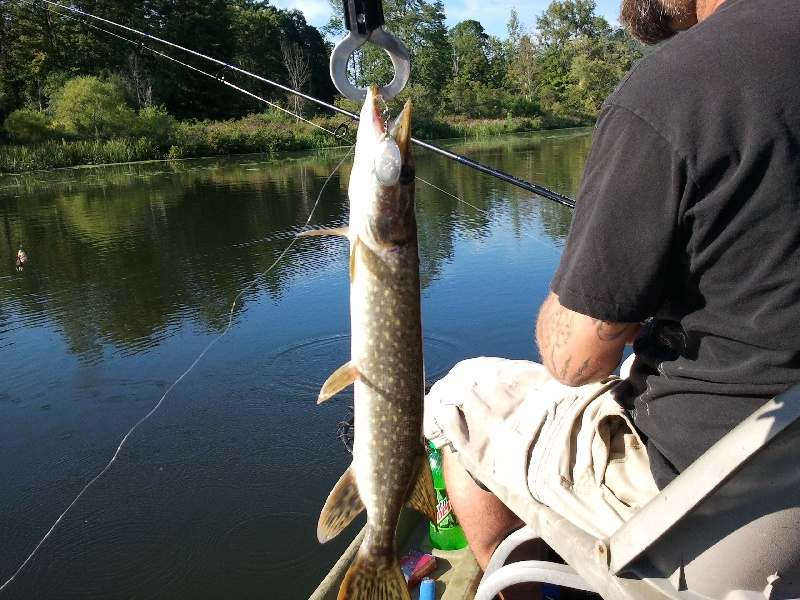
{"x":492,"y":14}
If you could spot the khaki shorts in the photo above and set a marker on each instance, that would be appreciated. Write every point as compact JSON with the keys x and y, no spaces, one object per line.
{"x":573,"y":449}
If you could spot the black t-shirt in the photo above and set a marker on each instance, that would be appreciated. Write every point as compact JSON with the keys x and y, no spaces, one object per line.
{"x":689,"y":214}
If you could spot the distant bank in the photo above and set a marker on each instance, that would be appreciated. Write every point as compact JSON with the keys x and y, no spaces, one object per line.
{"x":268,"y":132}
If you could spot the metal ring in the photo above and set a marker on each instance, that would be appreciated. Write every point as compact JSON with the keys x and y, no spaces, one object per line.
{"x":341,"y":131}
{"x":397,"y":51}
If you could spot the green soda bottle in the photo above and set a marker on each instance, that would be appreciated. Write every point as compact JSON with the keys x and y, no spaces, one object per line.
{"x":446,"y":533}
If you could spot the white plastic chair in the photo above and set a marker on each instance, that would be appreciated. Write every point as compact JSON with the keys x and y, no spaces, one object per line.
{"x":727,"y":528}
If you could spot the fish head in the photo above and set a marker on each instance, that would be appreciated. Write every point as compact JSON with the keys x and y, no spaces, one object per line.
{"x":381,"y":186}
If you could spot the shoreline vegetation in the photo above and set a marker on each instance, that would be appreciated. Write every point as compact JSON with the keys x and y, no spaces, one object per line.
{"x":270,"y":132}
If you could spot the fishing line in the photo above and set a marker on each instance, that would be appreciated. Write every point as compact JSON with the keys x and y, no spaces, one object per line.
{"x":497,"y":173}
{"x":191,"y":367}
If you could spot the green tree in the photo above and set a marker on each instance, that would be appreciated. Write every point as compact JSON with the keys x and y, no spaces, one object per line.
{"x":499,"y":58}
{"x":580,"y":57}
{"x":86,"y":47}
{"x":566,"y":20}
{"x":27,"y":126}
{"x":204,"y":26}
{"x":524,"y":73}
{"x":34,"y":49}
{"x":432,"y":50}
{"x":261,"y":31}
{"x":515,"y":32}
{"x":7,"y":67}
{"x":294,"y":27}
{"x":470,"y":51}
{"x":89,"y":108}
{"x":523,"y":68}
{"x":596,"y":68}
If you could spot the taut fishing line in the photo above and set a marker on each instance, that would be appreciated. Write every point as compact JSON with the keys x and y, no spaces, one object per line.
{"x":191,"y":367}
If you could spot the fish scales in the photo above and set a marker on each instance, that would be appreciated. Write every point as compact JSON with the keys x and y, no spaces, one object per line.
{"x":387,"y":347}
{"x":389,"y":468}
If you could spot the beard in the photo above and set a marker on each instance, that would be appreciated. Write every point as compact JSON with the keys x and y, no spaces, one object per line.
{"x":653,"y":21}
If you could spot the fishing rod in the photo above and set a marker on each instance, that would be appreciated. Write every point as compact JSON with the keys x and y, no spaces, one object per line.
{"x":497,"y":173}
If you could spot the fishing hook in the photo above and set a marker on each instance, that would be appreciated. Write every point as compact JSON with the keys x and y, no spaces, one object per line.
{"x":364,"y":20}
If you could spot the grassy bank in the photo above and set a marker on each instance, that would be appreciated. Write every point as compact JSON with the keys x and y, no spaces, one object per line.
{"x":267,"y":132}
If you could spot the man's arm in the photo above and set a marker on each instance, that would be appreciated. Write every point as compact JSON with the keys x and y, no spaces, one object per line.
{"x":577,"y":349}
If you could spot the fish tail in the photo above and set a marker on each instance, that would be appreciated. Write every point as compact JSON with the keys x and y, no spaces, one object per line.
{"x":374,"y":578}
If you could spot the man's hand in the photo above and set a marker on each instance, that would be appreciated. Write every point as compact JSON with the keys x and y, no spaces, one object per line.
{"x":577,"y":349}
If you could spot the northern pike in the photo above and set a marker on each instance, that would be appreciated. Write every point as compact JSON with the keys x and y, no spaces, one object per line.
{"x":389,"y":468}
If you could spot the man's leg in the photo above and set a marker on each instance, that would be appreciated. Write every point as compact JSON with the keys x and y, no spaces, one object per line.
{"x":486,"y":522}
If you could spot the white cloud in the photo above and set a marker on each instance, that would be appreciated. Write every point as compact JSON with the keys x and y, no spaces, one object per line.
{"x":317,"y":12}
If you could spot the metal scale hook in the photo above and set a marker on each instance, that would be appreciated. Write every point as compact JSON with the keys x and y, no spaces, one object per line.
{"x":364,"y":21}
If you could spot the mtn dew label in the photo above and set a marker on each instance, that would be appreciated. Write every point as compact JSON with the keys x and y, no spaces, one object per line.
{"x":445,"y":532}
{"x":445,"y":517}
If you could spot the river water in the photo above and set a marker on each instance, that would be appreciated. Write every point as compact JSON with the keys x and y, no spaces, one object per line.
{"x":133,"y":271}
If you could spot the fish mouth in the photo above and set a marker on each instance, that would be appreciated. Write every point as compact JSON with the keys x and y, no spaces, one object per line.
{"x":399,"y":130}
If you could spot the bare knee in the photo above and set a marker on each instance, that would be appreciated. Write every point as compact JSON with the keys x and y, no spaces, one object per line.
{"x":485,"y":519}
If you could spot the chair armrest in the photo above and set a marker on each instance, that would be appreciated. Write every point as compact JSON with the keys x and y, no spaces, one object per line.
{"x":703,"y":477}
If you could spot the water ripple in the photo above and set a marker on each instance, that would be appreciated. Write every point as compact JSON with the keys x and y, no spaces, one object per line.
{"x":299,"y":365}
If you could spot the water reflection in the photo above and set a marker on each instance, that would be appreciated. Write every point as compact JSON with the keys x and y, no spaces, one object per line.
{"x":121,"y":254}
{"x":132,"y":271}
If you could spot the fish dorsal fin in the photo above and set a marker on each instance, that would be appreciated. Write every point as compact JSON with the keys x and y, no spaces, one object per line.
{"x":341,"y":507}
{"x":345,"y":375}
{"x":422,"y":497}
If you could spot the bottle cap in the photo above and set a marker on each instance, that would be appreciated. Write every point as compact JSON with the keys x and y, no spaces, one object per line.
{"x":427,"y":589}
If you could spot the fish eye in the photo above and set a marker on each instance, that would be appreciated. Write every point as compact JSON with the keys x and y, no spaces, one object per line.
{"x":406,"y":174}
{"x":388,"y":162}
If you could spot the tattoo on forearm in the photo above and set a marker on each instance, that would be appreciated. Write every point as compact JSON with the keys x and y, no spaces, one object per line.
{"x":583,"y":374}
{"x":554,"y":336}
{"x":608,"y":332}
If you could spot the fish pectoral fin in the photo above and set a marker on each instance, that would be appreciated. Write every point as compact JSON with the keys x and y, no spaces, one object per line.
{"x":335,"y":231}
{"x":345,"y":375}
{"x":341,"y":507}
{"x":422,"y":497}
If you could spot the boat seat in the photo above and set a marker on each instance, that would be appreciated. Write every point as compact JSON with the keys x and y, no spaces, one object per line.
{"x":728,"y":527}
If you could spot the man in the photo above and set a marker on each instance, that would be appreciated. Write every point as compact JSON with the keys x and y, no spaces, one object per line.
{"x":688,"y":220}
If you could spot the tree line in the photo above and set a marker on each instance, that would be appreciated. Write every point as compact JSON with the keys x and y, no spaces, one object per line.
{"x":65,"y":76}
